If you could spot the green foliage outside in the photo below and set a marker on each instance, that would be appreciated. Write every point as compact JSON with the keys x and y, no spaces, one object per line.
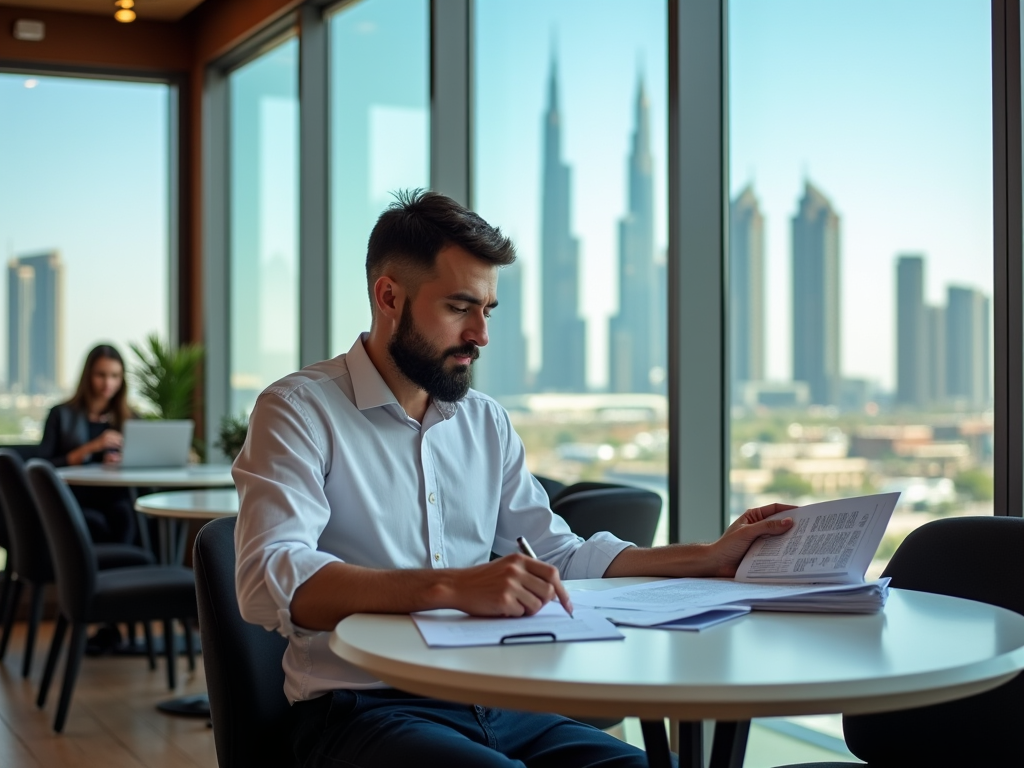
{"x":168,"y":378}
{"x":975,"y":483}
{"x":789,"y":486}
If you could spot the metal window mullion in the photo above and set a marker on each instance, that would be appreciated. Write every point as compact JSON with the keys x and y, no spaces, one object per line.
{"x":314,"y":202}
{"x":698,"y":417}
{"x":451,"y":98}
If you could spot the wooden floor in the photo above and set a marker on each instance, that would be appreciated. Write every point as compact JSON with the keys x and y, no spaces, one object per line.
{"x":112,"y":721}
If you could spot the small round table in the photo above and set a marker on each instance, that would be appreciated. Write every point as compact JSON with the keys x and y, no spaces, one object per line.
{"x":922,"y":649}
{"x":192,"y":476}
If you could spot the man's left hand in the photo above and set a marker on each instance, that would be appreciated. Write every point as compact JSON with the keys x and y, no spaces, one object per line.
{"x":745,"y":530}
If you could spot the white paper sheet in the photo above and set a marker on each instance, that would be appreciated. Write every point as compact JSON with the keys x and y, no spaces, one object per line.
{"x":454,"y":629}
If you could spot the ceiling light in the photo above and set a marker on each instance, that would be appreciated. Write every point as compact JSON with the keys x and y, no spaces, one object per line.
{"x":124,"y":12}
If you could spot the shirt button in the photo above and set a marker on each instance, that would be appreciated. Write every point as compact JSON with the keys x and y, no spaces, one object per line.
{"x":432,"y":498}
{"x":437,"y":556}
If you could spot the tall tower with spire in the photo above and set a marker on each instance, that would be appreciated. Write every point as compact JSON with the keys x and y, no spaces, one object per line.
{"x":563,"y":338}
{"x":816,"y":333}
{"x":636,"y":352}
{"x":746,"y":289}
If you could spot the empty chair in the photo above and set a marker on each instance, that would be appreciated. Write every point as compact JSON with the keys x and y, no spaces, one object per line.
{"x":978,"y":558}
{"x":29,"y":561}
{"x":86,"y":595}
{"x":631,"y":514}
{"x":243,"y":661}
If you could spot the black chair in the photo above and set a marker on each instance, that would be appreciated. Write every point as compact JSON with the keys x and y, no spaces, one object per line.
{"x":87,"y":595}
{"x":631,"y":514}
{"x":29,"y":561}
{"x":978,"y":558}
{"x":244,"y":676}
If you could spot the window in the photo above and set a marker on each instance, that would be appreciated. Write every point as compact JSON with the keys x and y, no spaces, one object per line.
{"x":380,"y":131}
{"x":263,"y":273}
{"x":569,"y":120}
{"x":84,"y":232}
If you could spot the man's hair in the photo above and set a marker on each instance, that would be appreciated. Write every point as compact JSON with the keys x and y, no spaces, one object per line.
{"x":417,"y":225}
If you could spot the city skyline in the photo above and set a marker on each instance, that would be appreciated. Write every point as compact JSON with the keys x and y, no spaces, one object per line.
{"x":35,"y":324}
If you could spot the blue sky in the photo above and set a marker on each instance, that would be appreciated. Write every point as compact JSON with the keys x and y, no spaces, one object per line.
{"x":886,"y":106}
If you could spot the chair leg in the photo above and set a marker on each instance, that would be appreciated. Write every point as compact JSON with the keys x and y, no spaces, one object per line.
{"x":76,"y":650}
{"x":51,"y":659}
{"x":12,"y":608}
{"x":147,"y":630}
{"x":5,"y":591}
{"x":132,"y":633}
{"x":190,"y":648}
{"x":169,"y":649}
{"x":33,"y":627}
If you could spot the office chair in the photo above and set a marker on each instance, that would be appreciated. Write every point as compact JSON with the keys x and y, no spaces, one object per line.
{"x":632,"y":514}
{"x":978,"y":558}
{"x":28,"y":553}
{"x":244,"y":676}
{"x":86,"y":595}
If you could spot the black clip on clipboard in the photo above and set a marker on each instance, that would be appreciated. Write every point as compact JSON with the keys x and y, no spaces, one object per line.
{"x":523,"y":638}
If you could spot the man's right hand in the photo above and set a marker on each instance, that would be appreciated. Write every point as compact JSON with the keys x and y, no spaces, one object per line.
{"x":514,"y":585}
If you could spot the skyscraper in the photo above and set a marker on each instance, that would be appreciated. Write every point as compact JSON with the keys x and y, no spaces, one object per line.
{"x":563,"y":340}
{"x":816,"y":337}
{"x":911,"y":333}
{"x":746,"y":290}
{"x":501,"y":368}
{"x":35,"y":314}
{"x":635,"y":358}
{"x":967,"y":347}
{"x":936,"y":327}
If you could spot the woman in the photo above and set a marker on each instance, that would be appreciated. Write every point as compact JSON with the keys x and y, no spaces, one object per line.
{"x":87,"y":430}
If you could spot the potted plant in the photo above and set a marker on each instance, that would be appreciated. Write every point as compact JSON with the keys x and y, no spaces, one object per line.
{"x":231,"y":436}
{"x":167,"y":378}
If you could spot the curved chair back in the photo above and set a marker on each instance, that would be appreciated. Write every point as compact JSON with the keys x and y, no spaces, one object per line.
{"x":631,"y":514}
{"x":244,"y":675}
{"x":29,"y":551}
{"x":978,"y":558}
{"x":73,"y":556}
{"x":551,"y":486}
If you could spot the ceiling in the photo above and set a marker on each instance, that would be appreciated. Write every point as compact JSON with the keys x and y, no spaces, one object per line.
{"x":152,"y":10}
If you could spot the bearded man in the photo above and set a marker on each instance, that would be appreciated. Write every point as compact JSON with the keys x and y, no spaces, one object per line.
{"x":380,"y":482}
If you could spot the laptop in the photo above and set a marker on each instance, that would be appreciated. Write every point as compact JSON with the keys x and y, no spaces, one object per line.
{"x":156,"y":443}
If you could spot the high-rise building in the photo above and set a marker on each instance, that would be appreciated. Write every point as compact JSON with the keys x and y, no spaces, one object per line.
{"x":911,"y":333}
{"x":816,"y":333}
{"x":563,"y":338}
{"x":967,"y":347}
{"x":935,"y":326}
{"x":501,"y":368}
{"x":635,"y":357}
{"x":746,"y":291}
{"x":35,"y":321}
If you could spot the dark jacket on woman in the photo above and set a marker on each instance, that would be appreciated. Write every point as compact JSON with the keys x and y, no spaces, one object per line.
{"x":67,"y":428}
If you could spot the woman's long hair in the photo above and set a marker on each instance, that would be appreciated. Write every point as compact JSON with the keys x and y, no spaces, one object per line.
{"x":118,"y":410}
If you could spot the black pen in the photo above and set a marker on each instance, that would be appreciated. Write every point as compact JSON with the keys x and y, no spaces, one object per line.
{"x":526,"y":549}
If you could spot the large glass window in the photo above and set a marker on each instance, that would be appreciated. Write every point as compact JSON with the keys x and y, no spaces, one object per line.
{"x":380,"y":130}
{"x":83,"y":231}
{"x":570,"y":154}
{"x":264,"y":246}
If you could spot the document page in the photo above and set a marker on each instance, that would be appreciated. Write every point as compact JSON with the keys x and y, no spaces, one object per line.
{"x":454,"y":629}
{"x":833,"y":541}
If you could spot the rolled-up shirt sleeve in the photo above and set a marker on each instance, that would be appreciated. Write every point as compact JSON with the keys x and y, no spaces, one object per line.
{"x":282,"y":510}
{"x":526,"y":511}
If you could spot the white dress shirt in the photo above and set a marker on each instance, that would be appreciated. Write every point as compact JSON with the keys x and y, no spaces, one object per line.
{"x":333,"y":469}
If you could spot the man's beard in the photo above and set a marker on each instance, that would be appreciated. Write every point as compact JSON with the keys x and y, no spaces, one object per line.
{"x":416,"y":359}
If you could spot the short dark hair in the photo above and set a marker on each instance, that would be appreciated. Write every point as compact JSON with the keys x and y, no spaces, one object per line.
{"x":418,"y":224}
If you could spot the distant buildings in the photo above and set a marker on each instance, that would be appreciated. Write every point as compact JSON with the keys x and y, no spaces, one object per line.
{"x":816,"y":333}
{"x":636,"y":348}
{"x":563,"y":335}
{"x":967,"y":347}
{"x":501,"y":369}
{"x":912,"y":349}
{"x":746,"y":291}
{"x":35,"y":312}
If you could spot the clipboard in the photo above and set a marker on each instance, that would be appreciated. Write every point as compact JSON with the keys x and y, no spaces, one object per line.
{"x":454,"y":629}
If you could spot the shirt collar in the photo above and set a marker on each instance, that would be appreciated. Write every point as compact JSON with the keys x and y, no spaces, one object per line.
{"x":370,"y":389}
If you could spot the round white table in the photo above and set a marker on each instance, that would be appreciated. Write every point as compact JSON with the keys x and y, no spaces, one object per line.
{"x":171,"y":506}
{"x":192,"y":476}
{"x":922,"y":649}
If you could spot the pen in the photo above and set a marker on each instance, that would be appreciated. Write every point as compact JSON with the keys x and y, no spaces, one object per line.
{"x":526,"y":549}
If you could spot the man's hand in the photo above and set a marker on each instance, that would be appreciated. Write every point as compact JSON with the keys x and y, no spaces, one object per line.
{"x":748,"y":527}
{"x":514,"y":585}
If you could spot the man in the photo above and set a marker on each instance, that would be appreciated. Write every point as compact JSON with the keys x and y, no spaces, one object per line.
{"x":379,"y":482}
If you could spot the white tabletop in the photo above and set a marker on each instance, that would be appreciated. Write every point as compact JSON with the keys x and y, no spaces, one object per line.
{"x":192,"y":476}
{"x":922,"y":649}
{"x":203,"y":505}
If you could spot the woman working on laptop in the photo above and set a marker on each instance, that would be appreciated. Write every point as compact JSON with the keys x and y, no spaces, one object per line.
{"x":87,"y":430}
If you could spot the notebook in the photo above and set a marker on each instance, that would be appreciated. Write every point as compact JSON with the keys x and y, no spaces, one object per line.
{"x":156,"y":443}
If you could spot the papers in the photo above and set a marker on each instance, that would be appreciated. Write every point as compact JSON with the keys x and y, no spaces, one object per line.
{"x":688,"y":619}
{"x":454,"y":629}
{"x":833,"y":541}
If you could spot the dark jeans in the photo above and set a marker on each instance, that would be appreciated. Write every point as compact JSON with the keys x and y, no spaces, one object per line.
{"x":386,"y":727}
{"x":108,"y":513}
